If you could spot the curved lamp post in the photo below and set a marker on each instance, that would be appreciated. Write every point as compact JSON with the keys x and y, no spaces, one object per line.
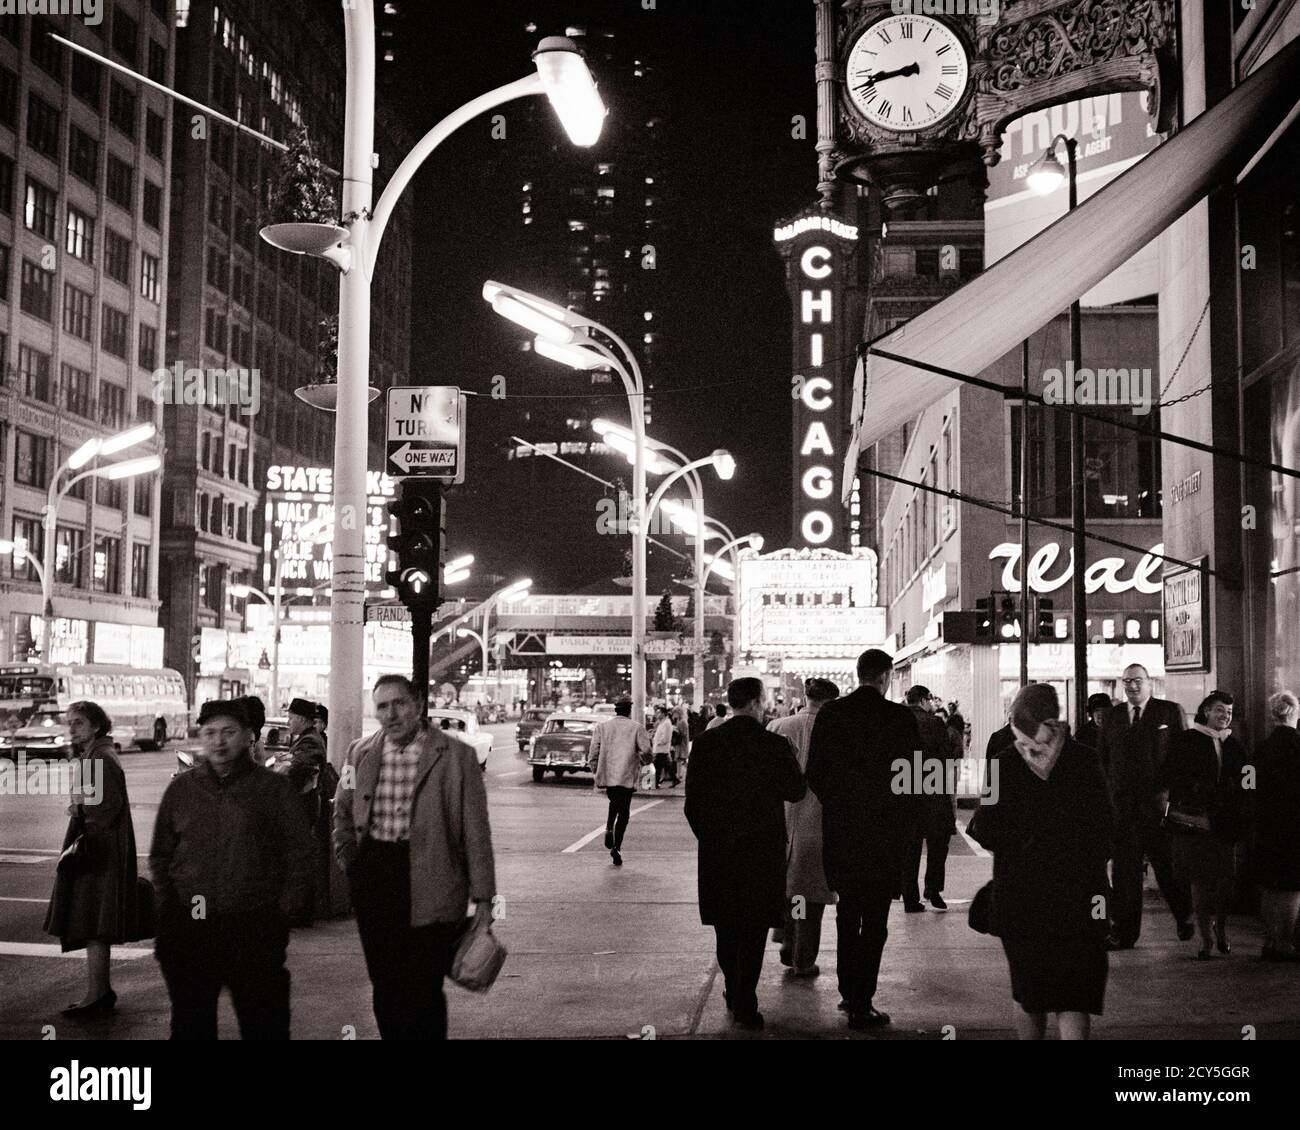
{"x":578,"y":341}
{"x":563,"y":77}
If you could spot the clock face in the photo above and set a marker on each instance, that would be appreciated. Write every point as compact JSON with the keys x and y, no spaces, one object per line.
{"x":907,"y":72}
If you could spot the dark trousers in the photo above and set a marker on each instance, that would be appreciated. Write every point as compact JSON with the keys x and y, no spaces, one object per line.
{"x":242,"y":952}
{"x":665,"y":766}
{"x":861,"y":929}
{"x":406,"y":963}
{"x":740,"y":950}
{"x":620,"y":804}
{"x":936,"y":860}
{"x":1132,"y":843}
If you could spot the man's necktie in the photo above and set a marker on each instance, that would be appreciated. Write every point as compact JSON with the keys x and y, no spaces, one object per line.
{"x":1137,"y":715}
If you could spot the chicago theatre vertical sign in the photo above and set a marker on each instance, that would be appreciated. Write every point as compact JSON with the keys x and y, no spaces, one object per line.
{"x":820,"y":254}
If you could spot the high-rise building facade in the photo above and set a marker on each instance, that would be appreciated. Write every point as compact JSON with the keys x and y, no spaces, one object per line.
{"x":235,"y":302}
{"x":84,"y":190}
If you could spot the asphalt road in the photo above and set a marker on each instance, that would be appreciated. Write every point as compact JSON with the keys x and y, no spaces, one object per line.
{"x":604,"y":952}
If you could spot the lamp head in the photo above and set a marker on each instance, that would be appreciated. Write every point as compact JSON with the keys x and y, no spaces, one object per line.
{"x":756,"y":542}
{"x":724,"y":463}
{"x":132,"y":467}
{"x":85,"y":453}
{"x":128,"y":438}
{"x":240,"y":592}
{"x":1047,"y":174}
{"x":571,"y":89}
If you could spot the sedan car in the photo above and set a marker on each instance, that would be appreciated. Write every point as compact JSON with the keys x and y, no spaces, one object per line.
{"x":564,"y":744}
{"x":44,"y":734}
{"x":530,"y":725}
{"x":464,"y":725}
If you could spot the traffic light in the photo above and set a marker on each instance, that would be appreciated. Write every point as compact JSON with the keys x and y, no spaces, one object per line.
{"x":415,"y":545}
{"x":984,"y":618}
{"x":1045,"y":617}
{"x":1008,"y":625}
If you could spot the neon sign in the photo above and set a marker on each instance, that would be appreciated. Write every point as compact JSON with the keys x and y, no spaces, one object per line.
{"x":815,"y":223}
{"x":1101,"y":574}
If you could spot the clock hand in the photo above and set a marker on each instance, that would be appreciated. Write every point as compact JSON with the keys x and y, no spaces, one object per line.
{"x":910,"y":69}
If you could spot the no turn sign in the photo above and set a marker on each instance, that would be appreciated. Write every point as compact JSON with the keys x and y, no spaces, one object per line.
{"x":426,"y":433}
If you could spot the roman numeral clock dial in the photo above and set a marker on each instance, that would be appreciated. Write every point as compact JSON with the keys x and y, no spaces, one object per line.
{"x":907,"y":72}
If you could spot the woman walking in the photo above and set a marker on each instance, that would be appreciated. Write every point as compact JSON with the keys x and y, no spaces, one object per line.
{"x":1278,"y":810}
{"x":1202,"y":776}
{"x":93,"y":904}
{"x":1051,"y":834}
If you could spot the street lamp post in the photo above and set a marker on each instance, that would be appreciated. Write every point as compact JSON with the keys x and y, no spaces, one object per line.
{"x":89,"y":450}
{"x":563,"y":77}
{"x":1044,"y":178}
{"x":567,"y":336}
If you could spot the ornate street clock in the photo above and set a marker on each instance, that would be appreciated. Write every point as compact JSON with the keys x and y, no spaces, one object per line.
{"x":907,"y":73}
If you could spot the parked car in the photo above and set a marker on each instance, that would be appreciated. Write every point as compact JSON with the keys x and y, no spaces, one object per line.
{"x":530,"y":725}
{"x":464,"y":725}
{"x":564,"y":744}
{"x":44,"y":734}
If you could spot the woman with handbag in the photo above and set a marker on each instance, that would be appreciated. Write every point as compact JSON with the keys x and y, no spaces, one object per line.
{"x":1278,"y":829}
{"x":94,"y":903}
{"x":1204,"y":814}
{"x":1051,"y":833}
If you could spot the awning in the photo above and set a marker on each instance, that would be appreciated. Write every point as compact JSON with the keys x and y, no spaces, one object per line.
{"x":1021,"y":293}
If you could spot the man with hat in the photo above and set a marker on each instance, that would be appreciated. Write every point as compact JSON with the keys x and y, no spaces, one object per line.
{"x":934,"y":822}
{"x":306,"y":747}
{"x":231,"y":862}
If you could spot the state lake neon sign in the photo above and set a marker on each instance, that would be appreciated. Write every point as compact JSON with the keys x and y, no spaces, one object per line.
{"x":1101,"y":574}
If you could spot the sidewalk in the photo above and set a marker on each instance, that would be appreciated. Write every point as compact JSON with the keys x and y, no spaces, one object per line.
{"x":605,"y":953}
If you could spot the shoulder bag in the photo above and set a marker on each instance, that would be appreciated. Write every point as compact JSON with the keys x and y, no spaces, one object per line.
{"x":479,"y":957}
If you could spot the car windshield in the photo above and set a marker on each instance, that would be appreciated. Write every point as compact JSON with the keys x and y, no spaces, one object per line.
{"x":452,"y":722}
{"x":568,"y":726}
{"x":536,"y":716}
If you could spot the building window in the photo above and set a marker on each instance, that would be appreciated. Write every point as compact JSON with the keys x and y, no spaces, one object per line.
{"x":77,"y":307}
{"x":83,"y":156}
{"x":80,"y":231}
{"x":157,"y":61}
{"x":218,"y":269}
{"x":219,"y":209}
{"x":37,"y":297}
{"x":144,"y":406}
{"x":927,"y":262}
{"x":42,"y":126}
{"x":214,"y":330}
{"x":47,"y":53}
{"x":108,"y":493}
{"x":41,"y":209}
{"x":971,"y":261}
{"x":117,"y":256}
{"x":126,"y":36}
{"x":114,"y":325}
{"x":153,"y":133}
{"x":31,"y":461}
{"x":121,"y":183}
{"x":6,"y":185}
{"x":211,"y":589}
{"x":88,"y":80}
{"x":27,"y":533}
{"x":76,"y":390}
{"x":8,"y":98}
{"x":4,"y":297}
{"x":112,"y":404}
{"x":69,"y":562}
{"x":152,"y":210}
{"x":121,"y":107}
{"x":147,"y":353}
{"x":149,"y":276}
{"x":140,"y":565}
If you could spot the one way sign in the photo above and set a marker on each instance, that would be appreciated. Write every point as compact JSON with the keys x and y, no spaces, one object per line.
{"x":426,"y":433}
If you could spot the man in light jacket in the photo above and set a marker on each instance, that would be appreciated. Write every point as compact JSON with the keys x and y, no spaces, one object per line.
{"x":619,"y":747}
{"x":411,"y":832}
{"x":662,"y":746}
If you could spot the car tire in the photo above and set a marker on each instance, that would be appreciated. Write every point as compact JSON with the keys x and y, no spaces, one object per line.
{"x":559,"y":774}
{"x":538,"y":774}
{"x":523,"y":747}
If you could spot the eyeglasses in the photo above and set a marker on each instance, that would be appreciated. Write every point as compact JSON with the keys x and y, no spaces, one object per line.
{"x":1133,"y":682}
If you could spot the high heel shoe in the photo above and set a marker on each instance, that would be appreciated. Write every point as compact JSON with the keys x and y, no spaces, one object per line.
{"x":98,"y":1007}
{"x":1221,"y":939}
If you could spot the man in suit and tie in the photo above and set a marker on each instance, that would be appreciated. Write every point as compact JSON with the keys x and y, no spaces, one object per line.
{"x":1133,"y":744}
{"x":855,"y":743}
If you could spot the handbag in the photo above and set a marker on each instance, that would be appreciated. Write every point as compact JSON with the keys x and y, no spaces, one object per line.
{"x":1185,"y":823}
{"x":980,"y":917}
{"x":479,"y":957}
{"x":75,"y":858}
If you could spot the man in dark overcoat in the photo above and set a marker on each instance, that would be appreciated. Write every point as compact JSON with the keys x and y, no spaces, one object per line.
{"x":741,"y":776}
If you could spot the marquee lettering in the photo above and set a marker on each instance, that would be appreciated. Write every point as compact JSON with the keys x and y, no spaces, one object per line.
{"x":1101,"y":574}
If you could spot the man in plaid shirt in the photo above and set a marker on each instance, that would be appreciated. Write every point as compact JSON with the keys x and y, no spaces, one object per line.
{"x":411,"y":832}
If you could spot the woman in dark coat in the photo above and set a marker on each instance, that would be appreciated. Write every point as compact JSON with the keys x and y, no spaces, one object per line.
{"x":1202,"y":775}
{"x":1278,"y":812}
{"x":1050,"y":832}
{"x":93,"y":904}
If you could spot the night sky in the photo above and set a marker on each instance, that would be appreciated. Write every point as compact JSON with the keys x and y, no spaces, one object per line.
{"x":734,"y":75}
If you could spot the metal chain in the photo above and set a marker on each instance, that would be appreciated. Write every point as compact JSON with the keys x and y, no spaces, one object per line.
{"x":1187,"y":349}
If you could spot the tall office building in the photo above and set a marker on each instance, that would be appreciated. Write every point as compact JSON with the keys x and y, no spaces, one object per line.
{"x":84,"y":186}
{"x":234,"y":301}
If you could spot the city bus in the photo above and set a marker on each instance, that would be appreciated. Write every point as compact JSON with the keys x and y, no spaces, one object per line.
{"x":147,"y":706}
